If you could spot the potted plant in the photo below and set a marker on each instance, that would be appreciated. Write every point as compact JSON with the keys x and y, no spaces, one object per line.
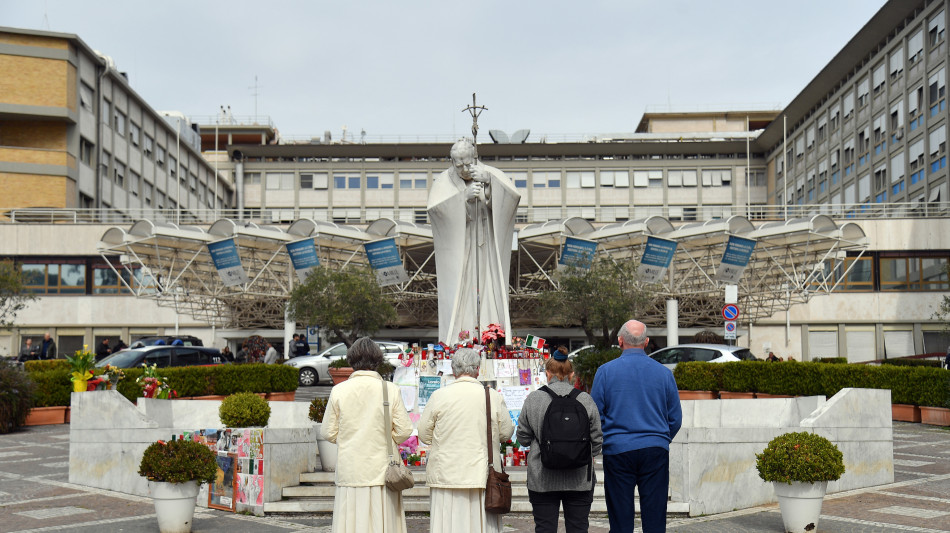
{"x":175,"y":470}
{"x":244,"y":410}
{"x":800,"y":465}
{"x":339,"y":370}
{"x":81,"y":364}
{"x":326,"y":450}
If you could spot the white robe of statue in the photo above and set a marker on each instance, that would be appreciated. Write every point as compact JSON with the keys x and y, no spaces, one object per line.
{"x":463,"y":212}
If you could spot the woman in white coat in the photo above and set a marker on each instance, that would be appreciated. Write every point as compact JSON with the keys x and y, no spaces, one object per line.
{"x":355,"y":421}
{"x":454,"y":425}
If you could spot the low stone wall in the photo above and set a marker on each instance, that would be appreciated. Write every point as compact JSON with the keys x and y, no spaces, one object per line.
{"x":108,"y":435}
{"x":712,"y":458}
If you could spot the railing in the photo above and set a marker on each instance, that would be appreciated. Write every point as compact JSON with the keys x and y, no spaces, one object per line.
{"x":525,"y":215}
{"x":208,"y":121}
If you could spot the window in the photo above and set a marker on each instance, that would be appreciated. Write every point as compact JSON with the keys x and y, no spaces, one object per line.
{"x":913,"y":273}
{"x":896,"y":63}
{"x":134,"y":182}
{"x":193,"y":182}
{"x":864,"y":145}
{"x":119,"y":174}
{"x":716,"y":178}
{"x":848,"y":105}
{"x":822,"y":127}
{"x":848,"y":151}
{"x":549,"y":179}
{"x":577,"y":179}
{"x":106,"y":281}
{"x":413,"y":180}
{"x":835,"y":170}
{"x":834,"y":117}
{"x":880,"y":177}
{"x":938,"y":91}
{"x":314,"y":180}
{"x":810,"y":137}
{"x":880,"y":133}
{"x":916,"y":160}
{"x":147,"y":147}
{"x":897,"y":166}
{"x":278,"y":181}
{"x":54,"y":277}
{"x":379,"y":181}
{"x":863,"y":92}
{"x":86,"y":149}
{"x":87,"y":99}
{"x":936,"y":29}
{"x":120,"y":123}
{"x":346,"y":180}
{"x":799,"y":147}
{"x":147,"y":193}
{"x":860,"y":276}
{"x":104,"y":166}
{"x":134,"y":133}
{"x":850,"y":193}
{"x":172,"y":167}
{"x":915,"y":48}
{"x":252,"y":178}
{"x":681,"y":178}
{"x":160,"y":157}
{"x":647,"y":178}
{"x":615,"y":178}
{"x":105,"y":112}
{"x":864,"y":188}
{"x":938,"y":148}
{"x":520,"y":179}
{"x":897,"y":122}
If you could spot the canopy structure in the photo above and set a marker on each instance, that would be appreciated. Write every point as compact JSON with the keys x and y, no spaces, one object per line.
{"x":793,"y":260}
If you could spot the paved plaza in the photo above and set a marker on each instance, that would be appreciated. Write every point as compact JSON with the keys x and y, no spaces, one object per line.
{"x":36,"y":496}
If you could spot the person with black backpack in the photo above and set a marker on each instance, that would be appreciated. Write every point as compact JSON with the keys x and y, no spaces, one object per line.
{"x":562,"y":426}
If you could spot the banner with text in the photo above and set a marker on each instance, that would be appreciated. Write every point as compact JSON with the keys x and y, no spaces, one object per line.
{"x":384,"y":258}
{"x":227,"y":262}
{"x":303,"y":254}
{"x":735,"y":259}
{"x":657,"y":257}
{"x":578,"y":253}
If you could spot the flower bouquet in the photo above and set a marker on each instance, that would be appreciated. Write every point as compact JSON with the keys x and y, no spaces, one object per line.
{"x":81,"y":364}
{"x":493,"y":337}
{"x":113,"y":376}
{"x":153,"y":385}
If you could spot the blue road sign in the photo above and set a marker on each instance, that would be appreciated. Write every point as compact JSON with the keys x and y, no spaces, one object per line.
{"x":730,"y":311}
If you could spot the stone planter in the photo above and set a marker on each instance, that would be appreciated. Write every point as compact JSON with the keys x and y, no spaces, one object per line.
{"x":935,"y":416}
{"x":905,"y":413}
{"x":800,"y":504}
{"x":339,"y":375}
{"x":729,"y":395}
{"x":287,"y":396}
{"x":762,"y":395}
{"x":174,"y":505}
{"x":43,"y":416}
{"x":697,"y":395}
{"x":326,"y":450}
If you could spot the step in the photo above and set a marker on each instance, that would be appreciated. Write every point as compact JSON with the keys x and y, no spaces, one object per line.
{"x":422,"y":491}
{"x":421,"y":505}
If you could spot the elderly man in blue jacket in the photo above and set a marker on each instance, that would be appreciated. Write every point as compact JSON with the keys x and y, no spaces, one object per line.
{"x":640,"y":414}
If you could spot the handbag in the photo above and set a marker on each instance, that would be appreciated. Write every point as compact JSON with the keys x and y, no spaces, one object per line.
{"x":398,"y":476}
{"x":498,"y":486}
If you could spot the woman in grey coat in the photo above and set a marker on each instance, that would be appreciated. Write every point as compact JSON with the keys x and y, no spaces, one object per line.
{"x":548,"y":489}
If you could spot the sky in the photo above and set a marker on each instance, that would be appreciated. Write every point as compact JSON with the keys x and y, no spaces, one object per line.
{"x":404,"y":71}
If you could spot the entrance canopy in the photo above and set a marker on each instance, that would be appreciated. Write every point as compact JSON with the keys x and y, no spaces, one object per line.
{"x":792,"y":261}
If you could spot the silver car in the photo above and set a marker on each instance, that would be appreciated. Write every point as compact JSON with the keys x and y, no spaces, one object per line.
{"x":313,"y":369}
{"x":709,"y":353}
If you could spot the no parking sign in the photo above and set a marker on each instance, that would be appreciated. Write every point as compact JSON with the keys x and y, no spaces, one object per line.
{"x":730,"y":329}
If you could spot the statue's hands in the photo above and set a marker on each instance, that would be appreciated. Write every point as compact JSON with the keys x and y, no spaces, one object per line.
{"x":475,"y":191}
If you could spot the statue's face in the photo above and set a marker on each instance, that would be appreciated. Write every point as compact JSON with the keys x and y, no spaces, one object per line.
{"x":464,"y":162}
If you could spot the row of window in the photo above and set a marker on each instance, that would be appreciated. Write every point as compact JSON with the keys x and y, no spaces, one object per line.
{"x":538,"y":179}
{"x":878,"y":271}
{"x":78,"y":276}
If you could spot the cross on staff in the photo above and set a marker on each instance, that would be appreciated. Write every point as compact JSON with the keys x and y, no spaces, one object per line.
{"x":475,"y":110}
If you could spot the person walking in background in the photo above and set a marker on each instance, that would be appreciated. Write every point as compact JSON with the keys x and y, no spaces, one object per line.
{"x":355,"y":421}
{"x":28,"y":351}
{"x":271,"y":356}
{"x":103,"y":350}
{"x":301,"y":347}
{"x":226,"y":353}
{"x":548,"y":488}
{"x":48,"y":351}
{"x":640,"y":415}
{"x":454,"y":425}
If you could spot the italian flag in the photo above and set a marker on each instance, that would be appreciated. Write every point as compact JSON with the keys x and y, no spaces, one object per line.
{"x":534,"y":342}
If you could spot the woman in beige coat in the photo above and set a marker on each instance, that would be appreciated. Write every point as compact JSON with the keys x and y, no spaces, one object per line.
{"x":453,"y":424}
{"x":354,"y":420}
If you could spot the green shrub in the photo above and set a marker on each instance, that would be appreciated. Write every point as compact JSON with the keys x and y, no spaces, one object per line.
{"x":831,"y":360}
{"x":53,"y":387}
{"x":243,"y":410}
{"x":932,"y":387}
{"x":318,"y":408}
{"x":16,"y":396}
{"x":699,"y":376}
{"x":283,"y":378}
{"x":339,"y":363}
{"x":587,"y":362}
{"x":932,"y":363}
{"x":43,"y":365}
{"x":178,"y":461}
{"x":743,"y":376}
{"x":803,"y":457}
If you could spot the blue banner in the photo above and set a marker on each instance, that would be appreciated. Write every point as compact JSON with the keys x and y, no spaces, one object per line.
{"x":303,"y":254}
{"x":227,"y":262}
{"x":657,"y":257}
{"x":578,"y":253}
{"x":383,"y":256}
{"x":735,"y":259}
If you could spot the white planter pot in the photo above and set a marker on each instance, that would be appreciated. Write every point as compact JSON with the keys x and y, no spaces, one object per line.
{"x":327,"y":452}
{"x":174,"y":505}
{"x":800,"y":504}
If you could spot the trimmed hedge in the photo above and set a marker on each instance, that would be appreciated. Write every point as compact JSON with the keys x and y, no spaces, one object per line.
{"x":586,"y":363}
{"x":913,"y":385}
{"x":42,"y":365}
{"x":932,"y":363}
{"x":53,"y":386}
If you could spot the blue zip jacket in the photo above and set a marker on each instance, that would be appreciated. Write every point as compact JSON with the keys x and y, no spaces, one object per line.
{"x":638,"y":401}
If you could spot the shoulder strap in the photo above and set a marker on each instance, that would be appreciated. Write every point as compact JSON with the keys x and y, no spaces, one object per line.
{"x":549,"y":391}
{"x":388,"y":429}
{"x":491,"y":462}
{"x":574,"y":393}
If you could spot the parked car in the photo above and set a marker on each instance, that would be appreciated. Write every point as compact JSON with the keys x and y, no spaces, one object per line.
{"x":164,"y":356}
{"x":314,"y":368}
{"x":187,"y":340}
{"x":709,"y":353}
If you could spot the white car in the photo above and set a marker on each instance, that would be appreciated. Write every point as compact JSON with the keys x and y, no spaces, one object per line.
{"x":709,"y":353}
{"x":313,"y":369}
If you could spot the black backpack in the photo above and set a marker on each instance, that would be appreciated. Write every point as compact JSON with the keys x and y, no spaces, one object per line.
{"x":565,"y":434}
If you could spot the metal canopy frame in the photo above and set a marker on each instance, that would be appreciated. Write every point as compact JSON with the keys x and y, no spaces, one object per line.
{"x":793,"y":261}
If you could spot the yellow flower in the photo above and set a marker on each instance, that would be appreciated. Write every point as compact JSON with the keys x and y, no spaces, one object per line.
{"x":79,"y":377}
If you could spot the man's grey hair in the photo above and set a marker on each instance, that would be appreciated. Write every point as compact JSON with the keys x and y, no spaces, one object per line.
{"x":364,"y":354}
{"x":629,"y":339}
{"x":465,"y":362}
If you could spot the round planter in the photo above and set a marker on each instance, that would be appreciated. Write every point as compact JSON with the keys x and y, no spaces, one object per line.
{"x":326,"y":450}
{"x":339,"y":375}
{"x":800,"y":504}
{"x":80,"y":385}
{"x":174,"y":505}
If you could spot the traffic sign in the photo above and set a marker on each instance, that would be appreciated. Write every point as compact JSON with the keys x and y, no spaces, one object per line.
{"x":730,"y":311}
{"x":730,"y":329}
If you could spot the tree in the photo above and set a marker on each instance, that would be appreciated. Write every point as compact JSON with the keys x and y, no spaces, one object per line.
{"x":13,"y":293}
{"x":350,"y":303}
{"x":600,"y":299}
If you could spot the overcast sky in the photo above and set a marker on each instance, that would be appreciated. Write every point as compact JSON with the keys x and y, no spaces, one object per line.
{"x":408,"y":68}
